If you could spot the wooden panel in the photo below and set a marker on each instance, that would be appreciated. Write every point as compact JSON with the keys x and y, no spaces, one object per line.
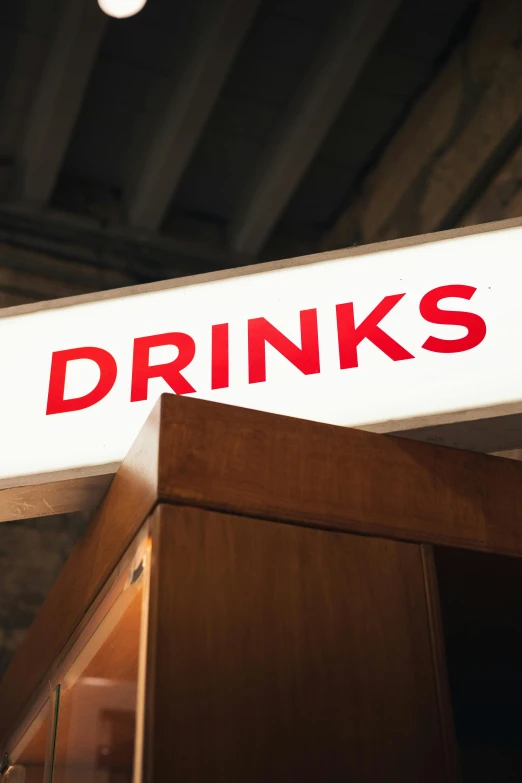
{"x":455,"y":135}
{"x":193,"y":452}
{"x":284,"y":653}
{"x":244,"y":461}
{"x":61,"y":493}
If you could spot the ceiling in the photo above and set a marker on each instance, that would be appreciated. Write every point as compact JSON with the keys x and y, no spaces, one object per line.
{"x":207,"y":134}
{"x":199,"y":134}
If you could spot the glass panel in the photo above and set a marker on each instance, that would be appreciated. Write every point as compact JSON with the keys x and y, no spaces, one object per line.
{"x":29,"y":758}
{"x":96,"y":731}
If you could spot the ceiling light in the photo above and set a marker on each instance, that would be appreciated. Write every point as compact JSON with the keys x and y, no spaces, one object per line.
{"x":121,"y":9}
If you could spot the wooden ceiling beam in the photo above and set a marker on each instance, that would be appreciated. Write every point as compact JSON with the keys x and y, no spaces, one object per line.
{"x":27,"y":48}
{"x":308,"y":119}
{"x":72,"y":53}
{"x":455,"y":137}
{"x":502,"y":197}
{"x":157,"y":172}
{"x":111,"y":252}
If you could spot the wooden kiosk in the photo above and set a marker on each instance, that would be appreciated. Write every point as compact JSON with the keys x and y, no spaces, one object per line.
{"x":261,"y":598}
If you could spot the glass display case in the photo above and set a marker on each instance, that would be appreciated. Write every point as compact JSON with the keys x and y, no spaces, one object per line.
{"x":87,"y":729}
{"x":30,"y":759}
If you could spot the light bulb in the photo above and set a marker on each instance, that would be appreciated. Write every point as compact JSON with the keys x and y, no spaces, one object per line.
{"x":121,"y":9}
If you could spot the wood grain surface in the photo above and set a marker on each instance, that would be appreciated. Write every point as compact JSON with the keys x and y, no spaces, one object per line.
{"x":283,"y":653}
{"x":49,"y":495}
{"x":252,"y":464}
{"x":280,"y":468}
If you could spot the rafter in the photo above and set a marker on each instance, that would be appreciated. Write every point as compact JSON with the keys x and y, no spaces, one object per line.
{"x":455,"y":137}
{"x":96,"y":257}
{"x":72,"y":53}
{"x":156,"y":174}
{"x":309,"y":118}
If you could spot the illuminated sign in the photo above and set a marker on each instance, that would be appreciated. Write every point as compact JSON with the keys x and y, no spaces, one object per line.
{"x":384,"y":340}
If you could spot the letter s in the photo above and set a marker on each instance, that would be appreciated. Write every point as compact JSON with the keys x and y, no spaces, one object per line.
{"x":430,"y":311}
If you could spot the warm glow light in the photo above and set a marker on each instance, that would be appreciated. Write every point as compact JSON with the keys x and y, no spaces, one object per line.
{"x":121,"y":9}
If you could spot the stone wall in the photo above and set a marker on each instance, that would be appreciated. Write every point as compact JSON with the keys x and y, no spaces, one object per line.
{"x":31,"y":555}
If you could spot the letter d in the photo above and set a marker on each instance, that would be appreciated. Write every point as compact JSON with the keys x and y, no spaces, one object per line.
{"x":108,"y":371}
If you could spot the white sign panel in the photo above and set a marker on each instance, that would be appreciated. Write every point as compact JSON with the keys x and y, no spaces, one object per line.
{"x":371,"y":340}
